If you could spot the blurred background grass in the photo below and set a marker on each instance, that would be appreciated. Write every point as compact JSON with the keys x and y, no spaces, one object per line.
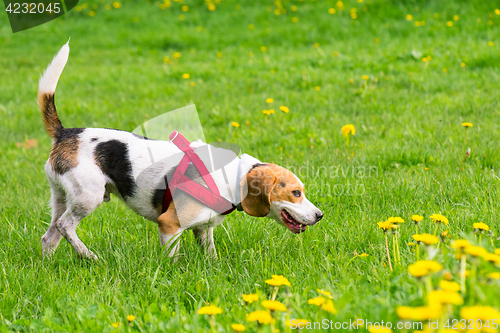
{"x":310,"y":56}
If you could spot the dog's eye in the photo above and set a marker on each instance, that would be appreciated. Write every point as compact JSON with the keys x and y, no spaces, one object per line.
{"x":296,"y":193}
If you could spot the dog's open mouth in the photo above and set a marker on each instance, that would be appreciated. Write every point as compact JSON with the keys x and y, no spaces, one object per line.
{"x":290,"y":223}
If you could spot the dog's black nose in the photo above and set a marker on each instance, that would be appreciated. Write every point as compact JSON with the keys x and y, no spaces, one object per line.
{"x":319,"y":216}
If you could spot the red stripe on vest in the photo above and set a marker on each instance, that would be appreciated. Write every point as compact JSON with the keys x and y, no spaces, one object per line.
{"x":208,"y":196}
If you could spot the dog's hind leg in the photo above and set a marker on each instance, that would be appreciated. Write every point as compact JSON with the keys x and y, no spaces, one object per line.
{"x":84,"y":195}
{"x":51,"y":239}
{"x":205,"y":238}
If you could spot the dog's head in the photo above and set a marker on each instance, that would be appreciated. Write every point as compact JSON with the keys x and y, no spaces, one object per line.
{"x":272,"y":191}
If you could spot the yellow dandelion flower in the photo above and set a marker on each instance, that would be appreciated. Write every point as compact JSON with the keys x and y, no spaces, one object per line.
{"x":211,"y":7}
{"x":481,"y":226}
{"x":490,"y":43}
{"x":176,"y":55}
{"x":363,"y":255}
{"x":377,"y":40}
{"x":483,"y":313}
{"x":445,"y":70}
{"x":455,"y":17}
{"x":328,"y":307}
{"x":411,"y":244}
{"x":320,"y":300}
{"x":317,"y":88}
{"x":210,"y":310}
{"x":235,"y":124}
{"x":476,"y":251}
{"x":295,"y":19}
{"x":335,"y":54}
{"x":467,"y":125}
{"x":384,"y":225}
{"x":460,"y":244}
{"x":462,"y":64}
{"x":365,"y":77}
{"x":420,"y":313}
{"x":219,"y":55}
{"x":417,"y":218}
{"x":439,"y":297}
{"x":271,"y":111}
{"x":278,"y":280}
{"x":332,"y":11}
{"x":497,"y":251}
{"x":449,"y":24}
{"x":250,"y":298}
{"x":293,"y":8}
{"x":493,"y":258}
{"x":497,"y":11}
{"x":115,"y":325}
{"x":351,"y":81}
{"x":449,"y":286}
{"x":130,"y":318}
{"x":409,"y":17}
{"x":494,"y":275}
{"x":238,"y":327}
{"x":396,"y":219}
{"x":316,"y":45}
{"x":192,"y":84}
{"x":117,"y":5}
{"x":263,"y":48}
{"x":284,"y":109}
{"x":269,"y":100}
{"x":346,"y":129}
{"x":324,"y":293}
{"x":438,"y":218}
{"x":107,"y":7}
{"x":263,"y":317}
{"x":428,"y":239}
{"x":92,"y":13}
{"x":274,"y":306}
{"x":424,"y":267}
{"x":186,"y":76}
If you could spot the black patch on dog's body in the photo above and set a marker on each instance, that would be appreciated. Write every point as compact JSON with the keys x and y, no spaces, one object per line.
{"x":64,"y":152}
{"x":113,"y":159}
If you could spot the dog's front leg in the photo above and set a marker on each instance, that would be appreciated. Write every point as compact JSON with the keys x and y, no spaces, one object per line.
{"x":205,"y":238}
{"x":169,"y":230}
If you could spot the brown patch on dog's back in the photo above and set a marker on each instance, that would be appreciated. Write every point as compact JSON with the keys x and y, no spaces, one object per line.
{"x":64,"y":152}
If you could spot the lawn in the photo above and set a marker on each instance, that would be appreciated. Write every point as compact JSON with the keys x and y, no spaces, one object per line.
{"x":406,"y":74}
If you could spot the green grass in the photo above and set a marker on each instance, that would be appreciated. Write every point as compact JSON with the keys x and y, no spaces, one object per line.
{"x":406,"y":156}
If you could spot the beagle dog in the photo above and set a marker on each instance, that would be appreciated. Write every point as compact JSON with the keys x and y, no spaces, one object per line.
{"x":86,"y":165}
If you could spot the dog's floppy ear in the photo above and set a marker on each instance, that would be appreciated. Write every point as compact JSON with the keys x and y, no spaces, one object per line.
{"x":255,"y":191}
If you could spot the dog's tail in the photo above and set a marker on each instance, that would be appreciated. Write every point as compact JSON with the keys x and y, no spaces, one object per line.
{"x":47,"y":89}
